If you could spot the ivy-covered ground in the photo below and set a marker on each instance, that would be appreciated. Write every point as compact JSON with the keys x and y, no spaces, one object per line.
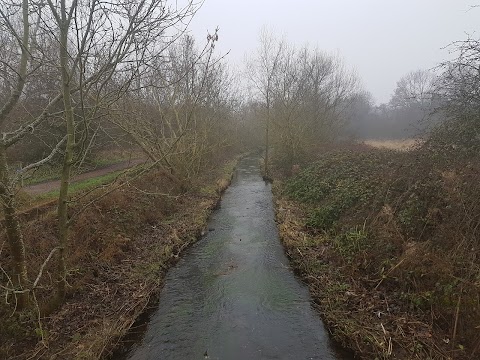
{"x":389,"y":245}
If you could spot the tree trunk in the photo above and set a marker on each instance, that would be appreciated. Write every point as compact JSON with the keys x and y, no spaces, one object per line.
{"x":7,"y":193}
{"x":14,"y":235}
{"x":62,"y":211}
{"x":267,"y":128}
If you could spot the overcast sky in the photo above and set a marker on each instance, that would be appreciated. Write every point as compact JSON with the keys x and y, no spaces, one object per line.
{"x":381,"y":39}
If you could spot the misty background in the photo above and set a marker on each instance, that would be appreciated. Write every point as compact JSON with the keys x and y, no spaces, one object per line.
{"x":384,"y":42}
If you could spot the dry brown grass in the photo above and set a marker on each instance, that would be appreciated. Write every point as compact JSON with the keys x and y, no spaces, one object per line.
{"x":362,"y":318}
{"x":120,"y":248}
{"x":398,"y":145}
{"x":417,"y":266}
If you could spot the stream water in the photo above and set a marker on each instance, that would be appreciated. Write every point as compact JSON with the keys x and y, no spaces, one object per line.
{"x":232,"y":295}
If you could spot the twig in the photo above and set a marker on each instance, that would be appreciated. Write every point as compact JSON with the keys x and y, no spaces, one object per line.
{"x":8,"y":282}
{"x":40,"y":272}
{"x":38,"y":317}
{"x":43,"y":161}
{"x":456,"y":321}
{"x":389,"y":272}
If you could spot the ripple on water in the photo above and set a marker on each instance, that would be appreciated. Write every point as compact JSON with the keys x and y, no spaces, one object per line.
{"x":234,"y":294}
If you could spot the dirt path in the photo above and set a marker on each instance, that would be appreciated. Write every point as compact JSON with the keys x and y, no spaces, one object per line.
{"x":48,"y":186}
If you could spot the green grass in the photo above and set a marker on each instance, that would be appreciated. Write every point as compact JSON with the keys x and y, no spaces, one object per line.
{"x":43,"y":174}
{"x":351,"y":241}
{"x":52,"y":172}
{"x":81,"y":185}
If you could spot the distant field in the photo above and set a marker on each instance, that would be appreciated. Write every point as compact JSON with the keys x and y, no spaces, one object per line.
{"x":399,"y":145}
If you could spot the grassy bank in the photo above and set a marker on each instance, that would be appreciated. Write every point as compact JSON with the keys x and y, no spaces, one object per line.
{"x":102,"y":159}
{"x":121,"y":247}
{"x":388,"y":244}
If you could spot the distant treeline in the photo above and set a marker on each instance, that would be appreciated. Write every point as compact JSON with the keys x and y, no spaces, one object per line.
{"x":411,"y":111}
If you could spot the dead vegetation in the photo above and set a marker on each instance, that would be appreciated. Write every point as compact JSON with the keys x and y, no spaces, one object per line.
{"x":120,"y":249}
{"x":388,"y":244}
{"x":397,"y":144}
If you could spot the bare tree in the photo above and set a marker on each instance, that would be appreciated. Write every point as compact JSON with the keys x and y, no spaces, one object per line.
{"x":7,"y":191}
{"x":305,"y":94}
{"x":81,"y":57}
{"x":102,"y":48}
{"x":458,"y":98}
{"x":458,"y":85}
{"x":262,"y":70}
{"x":414,"y":89}
{"x":185,"y":90}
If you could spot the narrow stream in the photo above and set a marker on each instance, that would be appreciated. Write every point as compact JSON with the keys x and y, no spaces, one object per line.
{"x":232,"y":295}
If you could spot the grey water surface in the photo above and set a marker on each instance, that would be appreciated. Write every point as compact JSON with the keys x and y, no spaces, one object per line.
{"x":232,"y":295}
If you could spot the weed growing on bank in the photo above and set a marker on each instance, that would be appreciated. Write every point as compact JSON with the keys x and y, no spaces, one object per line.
{"x":388,"y":243}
